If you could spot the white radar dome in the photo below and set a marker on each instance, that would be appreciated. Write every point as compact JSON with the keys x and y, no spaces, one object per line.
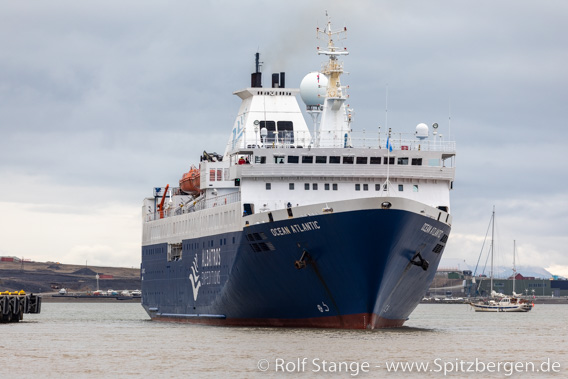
{"x":313,"y":88}
{"x":421,"y":131}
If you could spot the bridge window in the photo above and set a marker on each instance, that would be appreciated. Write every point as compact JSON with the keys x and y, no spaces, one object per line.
{"x":335,"y":186}
{"x":268,"y":186}
{"x":293,"y":159}
{"x":321,"y":159}
{"x":326,"y":186}
{"x":417,"y":161}
{"x":285,"y":126}
{"x":283,"y":131}
{"x":308,"y":159}
{"x":389,"y":160}
{"x":286,"y":131}
{"x":362,"y":160}
{"x":402,"y":161}
{"x":400,"y":187}
{"x":334,"y":159}
{"x":348,"y":160}
{"x":357,"y":187}
{"x":291,"y":186}
{"x":375,"y":160}
{"x":365,"y":187}
{"x":271,"y":128}
{"x":314,"y":186}
{"x":307,"y":186}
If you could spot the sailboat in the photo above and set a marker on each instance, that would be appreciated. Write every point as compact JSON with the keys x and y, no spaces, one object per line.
{"x":500,"y":302}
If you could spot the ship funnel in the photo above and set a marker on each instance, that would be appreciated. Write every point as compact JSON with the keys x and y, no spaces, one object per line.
{"x":282,"y":80}
{"x":256,"y":80}
{"x":275,"y":81}
{"x":256,"y":77}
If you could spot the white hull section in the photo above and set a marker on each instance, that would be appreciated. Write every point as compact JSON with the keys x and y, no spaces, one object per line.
{"x":502,"y":306}
{"x":227,"y":218}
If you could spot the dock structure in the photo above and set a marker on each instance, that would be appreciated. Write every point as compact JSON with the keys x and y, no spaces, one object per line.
{"x":13,"y":305}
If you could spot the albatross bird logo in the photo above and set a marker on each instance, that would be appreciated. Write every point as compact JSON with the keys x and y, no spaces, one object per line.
{"x":194,"y":278}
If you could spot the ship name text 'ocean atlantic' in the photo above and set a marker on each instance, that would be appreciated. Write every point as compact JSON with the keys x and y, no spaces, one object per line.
{"x":267,"y":232}
{"x":295,"y":228}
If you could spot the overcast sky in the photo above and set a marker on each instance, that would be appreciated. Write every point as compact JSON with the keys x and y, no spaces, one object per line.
{"x":101,"y":100}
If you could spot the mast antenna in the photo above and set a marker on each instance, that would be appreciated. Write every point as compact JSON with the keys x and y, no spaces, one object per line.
{"x":387,"y":106}
{"x":449,"y":119}
{"x":514,"y":265}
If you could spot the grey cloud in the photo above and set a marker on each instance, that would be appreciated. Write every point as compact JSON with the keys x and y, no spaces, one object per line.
{"x":125,"y":96}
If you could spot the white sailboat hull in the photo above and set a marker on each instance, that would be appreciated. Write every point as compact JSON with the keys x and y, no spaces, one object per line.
{"x":497,"y":307}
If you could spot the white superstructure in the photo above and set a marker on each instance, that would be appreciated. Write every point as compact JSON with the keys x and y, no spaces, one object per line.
{"x":273,"y":161}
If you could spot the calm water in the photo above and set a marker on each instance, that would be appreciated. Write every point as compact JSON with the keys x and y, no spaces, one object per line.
{"x":118,"y":340}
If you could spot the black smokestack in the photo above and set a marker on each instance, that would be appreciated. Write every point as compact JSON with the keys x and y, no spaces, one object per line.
{"x":256,"y":77}
{"x":256,"y":80}
{"x":275,"y":81}
{"x":282,"y":80}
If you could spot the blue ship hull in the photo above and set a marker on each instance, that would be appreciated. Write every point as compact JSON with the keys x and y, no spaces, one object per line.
{"x":358,"y":269}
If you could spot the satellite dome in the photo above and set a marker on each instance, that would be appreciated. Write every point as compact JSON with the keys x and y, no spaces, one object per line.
{"x":421,"y":131}
{"x":313,"y":88}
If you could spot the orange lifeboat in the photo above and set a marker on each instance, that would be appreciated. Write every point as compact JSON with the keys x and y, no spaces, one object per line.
{"x":190,"y":181}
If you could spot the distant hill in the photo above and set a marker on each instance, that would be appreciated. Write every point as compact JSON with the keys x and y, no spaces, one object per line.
{"x":40,"y":277}
{"x":86,"y":271}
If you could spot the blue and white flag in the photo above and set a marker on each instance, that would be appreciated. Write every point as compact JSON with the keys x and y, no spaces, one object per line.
{"x":389,"y":145}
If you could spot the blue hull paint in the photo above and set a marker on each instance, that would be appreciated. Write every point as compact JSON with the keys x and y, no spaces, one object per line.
{"x":358,"y":272}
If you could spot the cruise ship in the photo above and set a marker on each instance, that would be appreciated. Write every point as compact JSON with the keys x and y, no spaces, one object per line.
{"x":300,"y":223}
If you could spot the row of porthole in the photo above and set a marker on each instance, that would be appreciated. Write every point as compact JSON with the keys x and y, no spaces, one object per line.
{"x":336,"y":159}
{"x":314,"y":187}
{"x":378,"y":187}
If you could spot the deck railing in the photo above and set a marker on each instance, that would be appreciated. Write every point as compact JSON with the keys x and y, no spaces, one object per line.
{"x":197,"y":204}
{"x":358,"y":139}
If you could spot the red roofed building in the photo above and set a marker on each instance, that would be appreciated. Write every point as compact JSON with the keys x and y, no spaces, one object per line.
{"x":520,"y":277}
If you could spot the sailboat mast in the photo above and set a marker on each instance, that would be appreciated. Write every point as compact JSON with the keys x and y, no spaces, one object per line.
{"x":514,"y":267}
{"x":492,"y":246}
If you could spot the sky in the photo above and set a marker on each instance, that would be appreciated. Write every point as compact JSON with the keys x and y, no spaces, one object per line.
{"x":100,"y":101}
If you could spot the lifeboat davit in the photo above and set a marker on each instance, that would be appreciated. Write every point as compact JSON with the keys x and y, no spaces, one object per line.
{"x":190,"y":181}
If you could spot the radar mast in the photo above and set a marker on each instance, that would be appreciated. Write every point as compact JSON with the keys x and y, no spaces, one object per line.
{"x":334,"y":128}
{"x":333,"y":68}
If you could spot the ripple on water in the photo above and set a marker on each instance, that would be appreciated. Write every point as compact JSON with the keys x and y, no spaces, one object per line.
{"x":98,"y":340}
